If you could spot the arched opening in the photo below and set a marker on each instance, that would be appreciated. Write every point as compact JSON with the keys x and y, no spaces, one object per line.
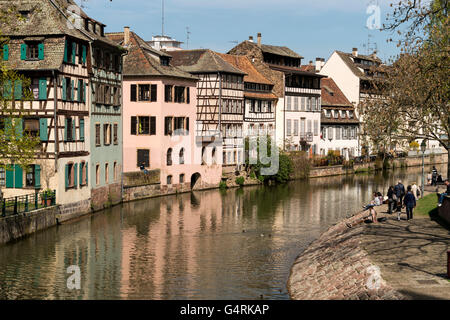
{"x":214,"y":159}
{"x":182,"y":156}
{"x":203,"y":156}
{"x":195,"y":179}
{"x":169,"y":157}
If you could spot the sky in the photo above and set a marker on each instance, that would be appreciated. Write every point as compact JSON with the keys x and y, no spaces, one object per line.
{"x":311,"y":28}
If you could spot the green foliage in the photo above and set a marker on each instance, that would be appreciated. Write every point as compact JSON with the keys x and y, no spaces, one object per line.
{"x":427,"y":205}
{"x":222,"y":185}
{"x":285,"y":170}
{"x":240,"y":181}
{"x":253,"y":175}
{"x":261,"y":179}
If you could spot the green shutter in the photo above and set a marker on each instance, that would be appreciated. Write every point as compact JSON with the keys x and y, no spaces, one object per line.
{"x":5,"y":52}
{"x":43,"y":129}
{"x":9,"y":177}
{"x":72,"y":88}
{"x":84,"y":91}
{"x":87,"y":170}
{"x":81,"y":129}
{"x":19,"y":127}
{"x":84,"y":54}
{"x":23,"y":51}
{"x":74,"y":136}
{"x":67,"y":176}
{"x":18,"y":177}
{"x":66,"y":52}
{"x":81,"y":174}
{"x":41,"y":51}
{"x":64,"y":89}
{"x":7,"y":91}
{"x":74,"y":52}
{"x":75,"y":176}
{"x":80,"y":88}
{"x":37,"y":176}
{"x":65,"y":129}
{"x":43,"y":89}
{"x":18,"y":89}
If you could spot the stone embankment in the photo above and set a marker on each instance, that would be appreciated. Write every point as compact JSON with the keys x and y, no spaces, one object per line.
{"x":336,"y":267}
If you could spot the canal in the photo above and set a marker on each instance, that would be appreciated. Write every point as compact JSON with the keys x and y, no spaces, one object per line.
{"x":234,"y":244}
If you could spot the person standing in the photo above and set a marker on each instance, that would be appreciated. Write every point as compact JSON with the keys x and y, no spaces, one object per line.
{"x":414,"y":189}
{"x":434,"y":176}
{"x":410,"y":203}
{"x":391,"y":201}
{"x":400,"y":193}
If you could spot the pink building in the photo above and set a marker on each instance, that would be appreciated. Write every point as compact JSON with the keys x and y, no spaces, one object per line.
{"x":159,"y":119}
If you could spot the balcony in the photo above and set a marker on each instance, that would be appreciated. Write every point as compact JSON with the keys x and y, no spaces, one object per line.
{"x":303,"y":90}
{"x":308,"y":137}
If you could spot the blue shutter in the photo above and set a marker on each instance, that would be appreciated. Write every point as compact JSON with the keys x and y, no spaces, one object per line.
{"x":75,"y":175}
{"x":72,"y":88}
{"x":65,"y":129}
{"x":7,"y":89}
{"x":37,"y":176}
{"x":41,"y":51}
{"x":66,"y":52}
{"x":82,"y":129}
{"x":74,"y":133}
{"x":43,"y":129}
{"x":43,"y":89}
{"x":5,"y":52}
{"x":87,"y":172}
{"x":19,"y":128}
{"x":74,"y":52}
{"x":64,"y":89}
{"x":9,"y":177}
{"x":23,"y":51}
{"x":18,"y":89}
{"x":66,"y":177}
{"x":18,"y":177}
{"x":81,"y":173}
{"x":84,"y":54}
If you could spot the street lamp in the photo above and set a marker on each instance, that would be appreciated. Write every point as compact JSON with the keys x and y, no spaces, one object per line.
{"x":423,"y":148}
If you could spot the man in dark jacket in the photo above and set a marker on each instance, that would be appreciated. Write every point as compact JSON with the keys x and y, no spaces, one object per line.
{"x":446,"y":193}
{"x":434,"y":176}
{"x":400,"y":193}
{"x":410,"y":203}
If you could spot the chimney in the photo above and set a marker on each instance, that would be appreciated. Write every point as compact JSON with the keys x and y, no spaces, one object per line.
{"x":250,"y":38}
{"x":126,"y":36}
{"x":355,"y":52}
{"x":259,"y":39}
{"x":374,"y":54}
{"x":320,"y":62}
{"x":310,"y":63}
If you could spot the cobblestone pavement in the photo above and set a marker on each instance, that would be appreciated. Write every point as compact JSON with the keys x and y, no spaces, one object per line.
{"x":383,"y":261}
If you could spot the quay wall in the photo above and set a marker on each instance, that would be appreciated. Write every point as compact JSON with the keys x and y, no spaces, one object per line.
{"x":444,"y":210}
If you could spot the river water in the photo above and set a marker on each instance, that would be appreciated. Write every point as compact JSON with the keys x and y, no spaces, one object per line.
{"x":234,"y":244}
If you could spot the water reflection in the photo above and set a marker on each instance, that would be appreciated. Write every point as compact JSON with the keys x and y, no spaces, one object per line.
{"x":235,"y":244}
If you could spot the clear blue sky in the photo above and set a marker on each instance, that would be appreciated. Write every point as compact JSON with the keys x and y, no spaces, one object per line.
{"x":311,"y":28}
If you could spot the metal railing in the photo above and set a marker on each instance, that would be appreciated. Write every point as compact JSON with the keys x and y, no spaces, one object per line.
{"x":27,"y":203}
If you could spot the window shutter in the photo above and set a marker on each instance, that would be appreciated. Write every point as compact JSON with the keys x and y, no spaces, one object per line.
{"x":43,"y":129}
{"x":5,"y":52}
{"x":66,"y":52}
{"x":64,"y":89}
{"x":37,"y":176}
{"x":7,"y":92}
{"x":9,"y":177}
{"x":187,"y":125}
{"x":72,"y":88}
{"x":133,"y":125}
{"x":67,"y":176}
{"x":87,"y":171}
{"x":41,"y":51}
{"x":152,"y":125}
{"x":79,"y":91}
{"x":188,"y":95}
{"x":19,"y":128}
{"x":43,"y":89}
{"x":84,"y":54}
{"x":23,"y":51}
{"x":75,"y":175}
{"x":133,"y":93}
{"x":81,"y":173}
{"x":74,"y":137}
{"x":65,"y":128}
{"x":18,"y":89}
{"x":84,"y":91}
{"x":74,"y":52}
{"x":154,"y":92}
{"x":18,"y":177}
{"x":82,"y":129}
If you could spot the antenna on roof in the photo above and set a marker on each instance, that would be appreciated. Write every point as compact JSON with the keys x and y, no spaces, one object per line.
{"x":187,"y":37}
{"x":162,"y":20}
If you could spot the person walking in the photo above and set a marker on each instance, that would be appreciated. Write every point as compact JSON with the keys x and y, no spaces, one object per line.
{"x":434,"y":176}
{"x":400,"y":193}
{"x":391,"y":201}
{"x":410,"y":203}
{"x":415,"y":189}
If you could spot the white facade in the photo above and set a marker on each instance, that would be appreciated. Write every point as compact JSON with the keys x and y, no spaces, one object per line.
{"x":165,"y":43}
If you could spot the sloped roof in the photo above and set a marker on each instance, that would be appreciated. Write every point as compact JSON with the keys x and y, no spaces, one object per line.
{"x":202,"y":61}
{"x":244,"y":64}
{"x":348,"y":59}
{"x":141,"y":60}
{"x":276,"y":50}
{"x":332,"y":95}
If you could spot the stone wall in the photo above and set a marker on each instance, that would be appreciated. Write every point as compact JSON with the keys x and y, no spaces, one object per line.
{"x":106,"y":196}
{"x":153,"y":190}
{"x":17,"y":226}
{"x":139,"y":178}
{"x":444,"y":210}
{"x":335,"y":267}
{"x":73,"y":210}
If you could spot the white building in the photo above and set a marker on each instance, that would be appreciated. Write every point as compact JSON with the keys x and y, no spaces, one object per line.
{"x":164,"y":43}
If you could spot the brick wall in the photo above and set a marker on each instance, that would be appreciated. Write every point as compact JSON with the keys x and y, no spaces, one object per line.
{"x":106,"y":196}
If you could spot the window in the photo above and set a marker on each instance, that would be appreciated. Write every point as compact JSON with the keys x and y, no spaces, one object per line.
{"x":83,"y":173}
{"x":296,"y":103}
{"x":214,"y":157}
{"x":31,"y":127}
{"x":288,"y":127}
{"x":144,"y":92}
{"x":324,"y":132}
{"x":116,"y":134}
{"x":69,"y":129}
{"x":330,"y":133}
{"x":169,"y":157}
{"x":179,"y":94}
{"x":181,"y":178}
{"x":70,"y":175}
{"x":97,"y":135}
{"x":309,"y":126}
{"x":295,"y":127}
{"x":106,"y":172}
{"x":182,"y":156}
{"x":169,"y":180}
{"x":107,"y":95}
{"x":316,"y":128}
{"x":168,"y":93}
{"x":107,"y":134}
{"x":2,"y":176}
{"x":116,"y":173}
{"x":203,"y":156}
{"x":288,"y":108}
{"x":30,"y":176}
{"x":338,"y":133}
{"x":143,"y":157}
{"x":303,"y":103}
{"x":133,"y":94}
{"x":143,"y":125}
{"x":97,"y":174}
{"x":32,"y":50}
{"x":154,"y":93}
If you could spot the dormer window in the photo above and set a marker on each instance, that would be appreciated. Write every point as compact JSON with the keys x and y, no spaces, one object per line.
{"x":328,"y":113}
{"x":164,"y":61}
{"x":336,"y":114}
{"x":25,"y":14}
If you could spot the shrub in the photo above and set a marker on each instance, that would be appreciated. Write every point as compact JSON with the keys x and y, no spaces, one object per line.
{"x":414,"y":145}
{"x":240,"y":181}
{"x":261,"y":178}
{"x":252,"y":175}
{"x":222,"y":185}
{"x":286,"y":168}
